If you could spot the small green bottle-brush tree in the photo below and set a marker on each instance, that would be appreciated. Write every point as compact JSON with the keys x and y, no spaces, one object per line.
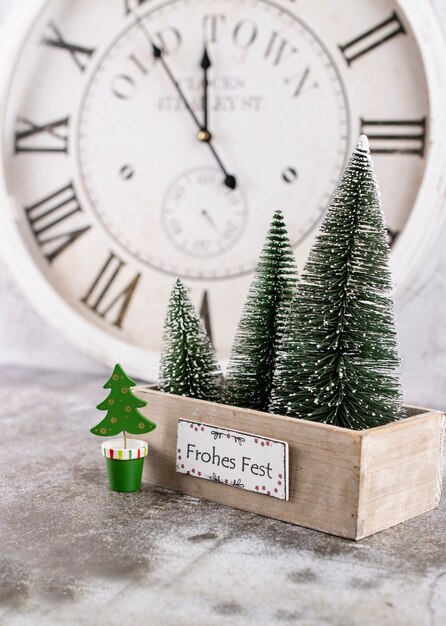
{"x":122,"y":409}
{"x":253,"y":357}
{"x":338,"y":361}
{"x":188,"y":364}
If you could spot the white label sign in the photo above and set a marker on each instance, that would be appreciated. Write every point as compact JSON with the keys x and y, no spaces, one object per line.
{"x":233,"y":458}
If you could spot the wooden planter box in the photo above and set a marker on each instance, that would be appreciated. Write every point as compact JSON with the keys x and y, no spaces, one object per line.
{"x":343,"y":482}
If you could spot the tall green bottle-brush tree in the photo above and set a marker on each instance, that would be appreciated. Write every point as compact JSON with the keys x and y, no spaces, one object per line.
{"x":253,"y":356}
{"x":338,"y":362}
{"x":188,"y":364}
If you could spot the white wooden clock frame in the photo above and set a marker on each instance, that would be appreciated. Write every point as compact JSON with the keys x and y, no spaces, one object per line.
{"x":408,"y":254}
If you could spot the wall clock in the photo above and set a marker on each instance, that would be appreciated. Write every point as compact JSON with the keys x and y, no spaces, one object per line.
{"x":145,"y":139}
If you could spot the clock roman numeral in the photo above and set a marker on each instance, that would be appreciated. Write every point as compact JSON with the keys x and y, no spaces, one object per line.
{"x":80,"y":54}
{"x":46,"y":216}
{"x":372,"y":38}
{"x":106,"y":293}
{"x":129,"y":5}
{"x":206,"y":315}
{"x":396,"y":136}
{"x":278,"y":49}
{"x":49,"y":137}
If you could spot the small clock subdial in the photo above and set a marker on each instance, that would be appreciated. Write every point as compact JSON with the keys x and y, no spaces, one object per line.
{"x":202,"y":217}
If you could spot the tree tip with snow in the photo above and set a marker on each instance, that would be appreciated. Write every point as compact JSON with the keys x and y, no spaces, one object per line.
{"x":178,"y":287}
{"x":278,"y":214}
{"x":363,"y":144}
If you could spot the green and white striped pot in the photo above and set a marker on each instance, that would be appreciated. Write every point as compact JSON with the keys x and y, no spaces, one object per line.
{"x":124,"y":465}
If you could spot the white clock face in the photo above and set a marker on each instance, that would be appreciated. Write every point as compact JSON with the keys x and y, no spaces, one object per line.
{"x":125,"y":173}
{"x":173,"y":213}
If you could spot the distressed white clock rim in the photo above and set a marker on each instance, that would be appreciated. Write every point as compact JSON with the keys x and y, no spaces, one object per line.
{"x":417,"y":238}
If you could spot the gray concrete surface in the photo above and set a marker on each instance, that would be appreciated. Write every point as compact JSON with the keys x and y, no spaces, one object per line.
{"x":74,"y":553}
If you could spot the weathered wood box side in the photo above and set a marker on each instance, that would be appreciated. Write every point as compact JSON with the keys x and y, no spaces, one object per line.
{"x":401,"y":470}
{"x":343,"y":482}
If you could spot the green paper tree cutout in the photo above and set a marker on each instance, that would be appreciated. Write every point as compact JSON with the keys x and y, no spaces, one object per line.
{"x":188,"y":365}
{"x":253,"y":356}
{"x":122,"y":408}
{"x":338,"y":362}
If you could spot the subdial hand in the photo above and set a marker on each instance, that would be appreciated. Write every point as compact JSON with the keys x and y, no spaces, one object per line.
{"x":209,"y":219}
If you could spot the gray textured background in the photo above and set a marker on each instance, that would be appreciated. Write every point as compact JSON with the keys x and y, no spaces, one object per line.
{"x":26,"y":339}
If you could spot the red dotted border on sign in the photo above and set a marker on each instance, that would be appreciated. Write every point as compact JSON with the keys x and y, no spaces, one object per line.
{"x":196,"y":427}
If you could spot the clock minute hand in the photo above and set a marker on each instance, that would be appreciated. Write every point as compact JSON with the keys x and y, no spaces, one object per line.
{"x":229,"y":180}
{"x":159,"y":56}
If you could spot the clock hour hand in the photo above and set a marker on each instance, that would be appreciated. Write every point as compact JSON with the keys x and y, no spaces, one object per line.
{"x":205,"y":65}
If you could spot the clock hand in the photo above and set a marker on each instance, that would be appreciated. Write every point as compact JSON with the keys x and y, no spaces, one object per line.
{"x":209,"y":219}
{"x":205,"y":64}
{"x":229,"y":180}
{"x":204,"y":134}
{"x":159,"y":56}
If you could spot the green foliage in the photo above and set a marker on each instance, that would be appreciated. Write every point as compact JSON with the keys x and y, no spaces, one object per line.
{"x":122,"y":408}
{"x":338,"y":361}
{"x":188,"y":364}
{"x":253,"y":356}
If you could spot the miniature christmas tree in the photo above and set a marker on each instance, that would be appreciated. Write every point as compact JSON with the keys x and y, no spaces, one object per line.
{"x":188,"y":364}
{"x":253,"y":357}
{"x":339,"y":359}
{"x":122,"y":408}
